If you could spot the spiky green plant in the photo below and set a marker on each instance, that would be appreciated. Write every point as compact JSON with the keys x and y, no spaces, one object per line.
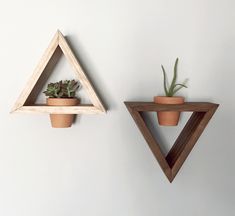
{"x":170,"y":90}
{"x":62,"y":89}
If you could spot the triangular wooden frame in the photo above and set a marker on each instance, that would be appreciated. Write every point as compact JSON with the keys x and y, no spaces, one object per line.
{"x":59,"y":41}
{"x":171,"y":164}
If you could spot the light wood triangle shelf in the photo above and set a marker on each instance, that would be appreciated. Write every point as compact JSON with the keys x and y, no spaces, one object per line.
{"x":21,"y":104}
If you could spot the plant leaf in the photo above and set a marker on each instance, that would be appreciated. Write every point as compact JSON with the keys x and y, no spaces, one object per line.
{"x":164,"y":80}
{"x":180,"y":86}
{"x":183,"y":85}
{"x":171,"y":89}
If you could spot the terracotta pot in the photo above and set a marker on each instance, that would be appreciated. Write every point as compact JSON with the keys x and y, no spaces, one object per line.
{"x":168,"y":118}
{"x":62,"y":120}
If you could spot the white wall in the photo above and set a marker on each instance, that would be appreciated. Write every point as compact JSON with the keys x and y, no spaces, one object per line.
{"x":102,"y":165}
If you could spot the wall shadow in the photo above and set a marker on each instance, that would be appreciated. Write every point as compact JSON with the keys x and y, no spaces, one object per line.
{"x":86,"y":71}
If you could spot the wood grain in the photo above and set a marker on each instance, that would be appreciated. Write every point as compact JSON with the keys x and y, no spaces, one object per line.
{"x":37,"y":73}
{"x":153,"y":144}
{"x":171,"y":164}
{"x":58,"y":41}
{"x":86,"y":84}
{"x":186,"y":107}
{"x":60,"y":109}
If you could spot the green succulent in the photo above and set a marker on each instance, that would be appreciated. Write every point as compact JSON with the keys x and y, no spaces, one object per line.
{"x":171,"y":90}
{"x":62,"y":89}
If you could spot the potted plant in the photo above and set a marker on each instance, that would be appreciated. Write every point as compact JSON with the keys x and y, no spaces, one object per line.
{"x":62,"y":93}
{"x":170,"y":118}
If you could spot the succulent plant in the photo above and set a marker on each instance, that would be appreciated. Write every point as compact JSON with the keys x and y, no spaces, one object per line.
{"x":174,"y":87}
{"x":62,"y":89}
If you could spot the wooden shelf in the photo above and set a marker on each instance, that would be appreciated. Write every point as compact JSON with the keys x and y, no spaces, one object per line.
{"x":26,"y":100}
{"x":82,"y":109}
{"x":171,"y":164}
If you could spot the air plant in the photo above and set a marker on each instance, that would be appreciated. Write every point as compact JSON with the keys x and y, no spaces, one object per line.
{"x":62,"y":89}
{"x":174,"y":87}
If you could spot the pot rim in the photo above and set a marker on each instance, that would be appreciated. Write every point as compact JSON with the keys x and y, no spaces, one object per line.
{"x":169,"y":97}
{"x":62,"y":99}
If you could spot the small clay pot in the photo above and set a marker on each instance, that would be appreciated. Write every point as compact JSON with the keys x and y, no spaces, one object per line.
{"x":62,"y":120}
{"x":168,"y":118}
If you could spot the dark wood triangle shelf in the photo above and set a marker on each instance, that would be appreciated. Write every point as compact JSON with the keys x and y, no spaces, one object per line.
{"x":202,"y":112}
